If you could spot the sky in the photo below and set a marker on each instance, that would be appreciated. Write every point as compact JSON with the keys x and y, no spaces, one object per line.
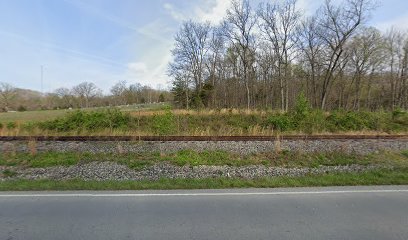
{"x":106,"y":41}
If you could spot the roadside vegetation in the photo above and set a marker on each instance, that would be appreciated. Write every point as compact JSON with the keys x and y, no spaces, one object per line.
{"x":138,"y":161}
{"x":392,"y":168}
{"x":376,"y":177}
{"x":165,"y":121}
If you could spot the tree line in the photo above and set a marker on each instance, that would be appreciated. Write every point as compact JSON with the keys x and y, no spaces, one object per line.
{"x":83,"y":95}
{"x":266,"y":56}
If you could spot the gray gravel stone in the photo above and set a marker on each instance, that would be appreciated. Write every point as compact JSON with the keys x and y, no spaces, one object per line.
{"x":360,"y":146}
{"x":100,"y":171}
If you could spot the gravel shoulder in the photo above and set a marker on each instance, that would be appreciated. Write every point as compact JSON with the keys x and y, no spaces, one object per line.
{"x":111,"y":171}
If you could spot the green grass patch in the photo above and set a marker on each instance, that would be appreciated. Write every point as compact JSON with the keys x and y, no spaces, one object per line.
{"x":50,"y":159}
{"x":9,"y":173}
{"x":138,"y":161}
{"x":378,"y":177}
{"x":162,"y":122}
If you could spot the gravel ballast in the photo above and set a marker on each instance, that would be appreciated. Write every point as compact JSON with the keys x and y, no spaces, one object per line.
{"x":358,"y":146}
{"x":102,"y":171}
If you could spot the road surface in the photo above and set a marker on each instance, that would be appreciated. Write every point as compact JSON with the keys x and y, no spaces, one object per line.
{"x":302,"y":213}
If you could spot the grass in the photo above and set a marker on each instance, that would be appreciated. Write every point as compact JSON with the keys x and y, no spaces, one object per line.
{"x":138,"y":161}
{"x":50,"y":159}
{"x":377,"y":177}
{"x":29,"y":116}
{"x":9,"y":173}
{"x":46,"y":115}
{"x":399,"y":162}
{"x":160,"y":121}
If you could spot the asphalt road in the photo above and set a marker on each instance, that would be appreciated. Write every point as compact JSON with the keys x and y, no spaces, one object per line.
{"x":305,"y":213}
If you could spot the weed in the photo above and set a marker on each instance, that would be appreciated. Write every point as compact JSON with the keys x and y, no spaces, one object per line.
{"x":32,"y":147}
{"x":11,"y":125}
{"x":9,"y":173}
{"x":164,"y":124}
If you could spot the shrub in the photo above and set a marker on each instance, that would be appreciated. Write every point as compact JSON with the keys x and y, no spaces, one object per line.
{"x":1,"y":125}
{"x":21,"y":108}
{"x":96,"y":120}
{"x":281,"y":122}
{"x":162,"y":98}
{"x":28,"y":126}
{"x":164,"y":124}
{"x":11,"y":125}
{"x":314,"y":121}
{"x":302,"y":108}
{"x":348,"y":121}
{"x":399,"y":116}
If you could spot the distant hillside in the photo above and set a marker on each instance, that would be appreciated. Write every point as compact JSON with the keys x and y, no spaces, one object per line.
{"x":27,"y":94}
{"x":25,"y":99}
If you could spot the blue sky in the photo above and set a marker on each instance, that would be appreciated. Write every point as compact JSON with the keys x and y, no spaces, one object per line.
{"x":104,"y":41}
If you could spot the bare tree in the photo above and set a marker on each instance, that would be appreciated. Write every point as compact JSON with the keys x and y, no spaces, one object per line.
{"x":239,"y":29}
{"x":214,"y":57}
{"x":65,"y":95}
{"x":118,"y":92}
{"x":86,"y":91}
{"x":189,"y":56}
{"x":396,"y":41}
{"x":191,"y":46}
{"x":311,"y":47}
{"x":362,"y":48}
{"x":279,"y":24}
{"x":337,"y":23}
{"x":404,"y":77}
{"x":265,"y":59}
{"x":7,"y":94}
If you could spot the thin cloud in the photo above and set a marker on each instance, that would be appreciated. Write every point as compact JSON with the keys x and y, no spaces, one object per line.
{"x":212,"y":12}
{"x":177,"y":15}
{"x":400,"y":23}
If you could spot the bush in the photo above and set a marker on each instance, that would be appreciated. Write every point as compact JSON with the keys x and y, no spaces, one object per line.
{"x":21,"y":108}
{"x":28,"y":126}
{"x":302,"y":108}
{"x":164,"y":124}
{"x":314,"y":121}
{"x":349,"y":121}
{"x":96,"y":120}
{"x":399,"y":116}
{"x":162,"y":98}
{"x":11,"y":125}
{"x":281,"y":122}
{"x":1,"y":125}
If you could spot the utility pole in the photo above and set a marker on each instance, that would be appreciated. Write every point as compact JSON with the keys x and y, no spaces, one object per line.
{"x":42,"y":79}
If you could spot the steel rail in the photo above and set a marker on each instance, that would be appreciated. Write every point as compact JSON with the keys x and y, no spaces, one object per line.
{"x":201,"y":138}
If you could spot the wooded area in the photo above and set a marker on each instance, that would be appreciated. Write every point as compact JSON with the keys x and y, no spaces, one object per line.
{"x":265,"y":57}
{"x":83,"y":95}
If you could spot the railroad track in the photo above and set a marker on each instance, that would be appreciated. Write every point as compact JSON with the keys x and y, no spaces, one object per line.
{"x":201,"y":138}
